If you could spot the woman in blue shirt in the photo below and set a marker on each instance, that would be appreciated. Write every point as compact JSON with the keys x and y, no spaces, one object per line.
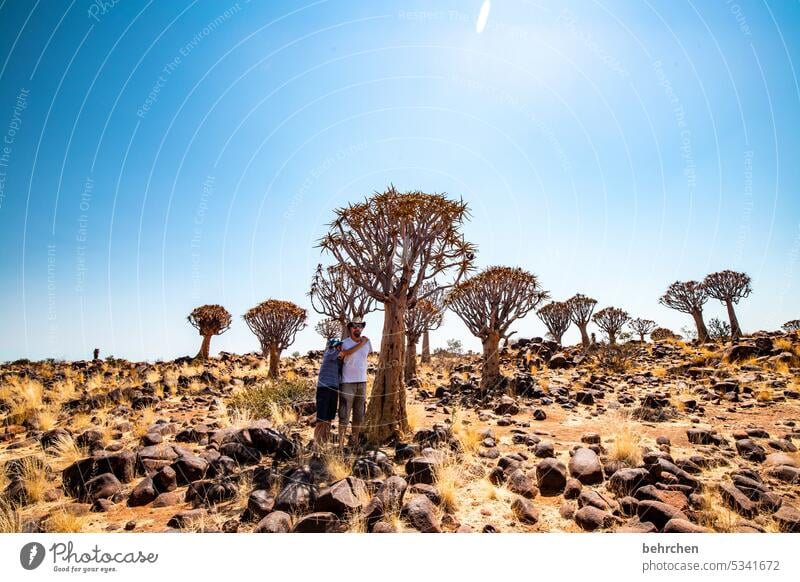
{"x":330,"y":374}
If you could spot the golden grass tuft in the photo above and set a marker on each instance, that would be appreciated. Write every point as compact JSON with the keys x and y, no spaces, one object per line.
{"x":450,"y":479}
{"x":237,"y":417}
{"x":765,"y":394}
{"x":357,"y":520}
{"x":146,"y":418}
{"x":47,"y":418}
{"x":337,"y":466}
{"x":281,"y":415}
{"x":715,"y":515}
{"x":660,"y":372}
{"x":33,"y":474}
{"x":61,"y":520}
{"x":626,"y":445}
{"x":416,"y":417}
{"x":80,"y":421}
{"x":10,"y":517}
{"x":468,"y":438}
{"x":64,"y":451}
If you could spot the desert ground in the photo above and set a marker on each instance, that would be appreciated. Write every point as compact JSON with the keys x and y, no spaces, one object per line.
{"x":642,"y":437}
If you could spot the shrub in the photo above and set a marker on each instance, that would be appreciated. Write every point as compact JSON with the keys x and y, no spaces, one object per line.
{"x":262,"y":398}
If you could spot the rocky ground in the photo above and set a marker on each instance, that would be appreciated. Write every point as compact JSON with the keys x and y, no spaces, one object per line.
{"x":649,"y":437}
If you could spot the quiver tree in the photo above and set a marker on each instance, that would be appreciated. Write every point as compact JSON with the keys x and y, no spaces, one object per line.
{"x":581,"y":308}
{"x":390,"y":245}
{"x":662,"y":333}
{"x":611,"y":320}
{"x":336,"y":295}
{"x":275,"y":323}
{"x":209,"y":320}
{"x":729,"y":287}
{"x":688,"y":297}
{"x":489,"y":303}
{"x":557,"y":317}
{"x":641,"y":327}
{"x":425,"y":315}
{"x":328,"y":328}
{"x":791,"y":326}
{"x":435,"y":294}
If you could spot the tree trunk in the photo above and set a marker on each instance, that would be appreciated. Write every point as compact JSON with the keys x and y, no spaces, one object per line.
{"x":556,"y":338}
{"x":612,"y":338}
{"x":736,"y":331}
{"x":345,"y":331}
{"x":386,"y":411}
{"x":426,"y":348}
{"x":641,"y":337}
{"x":205,"y":348}
{"x":410,"y":370}
{"x":702,"y":332}
{"x":274,"y":362}
{"x":490,"y":374}
{"x":584,"y":335}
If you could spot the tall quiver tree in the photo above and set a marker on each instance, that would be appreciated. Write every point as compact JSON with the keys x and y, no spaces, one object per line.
{"x":729,"y":287}
{"x":611,"y":320}
{"x":489,"y":303}
{"x":390,"y":245}
{"x":328,"y":328}
{"x":581,"y":308}
{"x":338,"y":296}
{"x":641,"y":327}
{"x":425,"y":357}
{"x":556,"y":316}
{"x":209,"y":320}
{"x":275,"y":323}
{"x":426,"y":314}
{"x":688,"y":297}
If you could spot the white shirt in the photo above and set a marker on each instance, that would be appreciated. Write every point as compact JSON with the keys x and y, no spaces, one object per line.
{"x":354,"y":368}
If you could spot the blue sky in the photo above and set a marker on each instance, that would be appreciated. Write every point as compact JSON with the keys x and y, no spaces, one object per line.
{"x":161,"y":155}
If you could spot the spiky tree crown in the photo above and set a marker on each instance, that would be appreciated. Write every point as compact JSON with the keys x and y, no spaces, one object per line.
{"x":792,"y":325}
{"x":642,"y":326}
{"x":210,"y":319}
{"x":611,"y":319}
{"x":328,"y":328}
{"x":556,"y":316}
{"x":727,"y":285}
{"x":493,"y":299}
{"x":425,"y":315}
{"x":336,"y":294}
{"x":685,"y":296}
{"x":392,"y":243}
{"x":581,"y":308}
{"x":276,"y":322}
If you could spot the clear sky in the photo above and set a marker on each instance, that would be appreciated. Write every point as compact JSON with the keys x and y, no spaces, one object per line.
{"x":161,"y":155}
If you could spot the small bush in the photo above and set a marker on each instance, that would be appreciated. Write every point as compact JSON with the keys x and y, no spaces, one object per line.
{"x":263,"y":398}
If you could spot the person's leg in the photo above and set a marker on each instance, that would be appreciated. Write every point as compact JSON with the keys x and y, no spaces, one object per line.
{"x":359,"y":409}
{"x":346,"y":394}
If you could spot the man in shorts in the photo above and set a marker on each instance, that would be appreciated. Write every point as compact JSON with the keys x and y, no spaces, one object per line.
{"x":353,"y":390}
{"x":327,"y":391}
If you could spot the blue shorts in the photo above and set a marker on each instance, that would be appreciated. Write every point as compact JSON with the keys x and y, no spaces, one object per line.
{"x":327,"y":402}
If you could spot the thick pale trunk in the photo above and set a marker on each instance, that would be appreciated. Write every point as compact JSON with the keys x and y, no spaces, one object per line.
{"x":426,"y":348}
{"x":584,"y":335}
{"x":345,"y":332}
{"x":205,"y":348}
{"x":410,"y":370}
{"x":386,"y":411}
{"x":702,"y":332}
{"x":736,"y":331}
{"x":556,"y":338}
{"x":490,"y":375}
{"x":612,"y":337}
{"x":274,"y":362}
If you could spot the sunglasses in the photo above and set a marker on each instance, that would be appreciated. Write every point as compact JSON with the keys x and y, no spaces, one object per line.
{"x":359,"y":325}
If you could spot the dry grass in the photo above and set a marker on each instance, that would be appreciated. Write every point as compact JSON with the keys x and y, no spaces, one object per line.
{"x":24,"y":397}
{"x":468,"y":438}
{"x":337,"y":466}
{"x":63,"y":521}
{"x":715,"y":515}
{"x":781,"y":367}
{"x":237,"y":417}
{"x":626,"y":445}
{"x":146,"y":418}
{"x":357,"y":520}
{"x":10,"y":518}
{"x":64,"y":452}
{"x":659,"y":372}
{"x":450,"y":477}
{"x":33,"y":474}
{"x":281,"y":415}
{"x":47,"y":418}
{"x":80,"y":421}
{"x":416,"y":416}
{"x":765,"y":394}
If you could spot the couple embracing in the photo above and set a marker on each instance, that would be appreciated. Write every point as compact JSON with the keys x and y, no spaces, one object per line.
{"x":342,"y":386}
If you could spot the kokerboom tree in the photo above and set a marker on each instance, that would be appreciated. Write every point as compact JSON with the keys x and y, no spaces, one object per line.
{"x":729,"y":287}
{"x":581,"y":308}
{"x":489,"y":303}
{"x":611,"y":320}
{"x":556,"y":316}
{"x":391,"y":244}
{"x":688,"y":297}
{"x":275,"y":323}
{"x":209,"y":320}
